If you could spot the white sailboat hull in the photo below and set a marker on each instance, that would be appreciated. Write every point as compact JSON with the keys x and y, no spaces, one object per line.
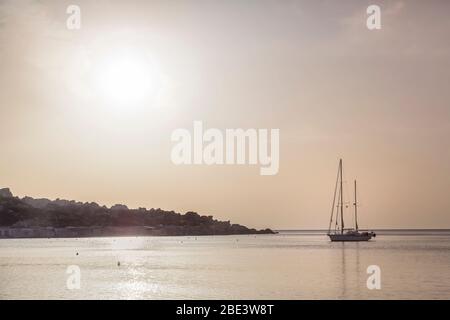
{"x":360,"y":236}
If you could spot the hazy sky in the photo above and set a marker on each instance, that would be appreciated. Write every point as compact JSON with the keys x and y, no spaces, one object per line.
{"x":378,"y":99}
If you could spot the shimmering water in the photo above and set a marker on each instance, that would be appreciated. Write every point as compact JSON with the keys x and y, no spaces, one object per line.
{"x":290,"y":265}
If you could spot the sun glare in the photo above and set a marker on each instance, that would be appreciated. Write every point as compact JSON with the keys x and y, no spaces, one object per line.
{"x":127,"y":80}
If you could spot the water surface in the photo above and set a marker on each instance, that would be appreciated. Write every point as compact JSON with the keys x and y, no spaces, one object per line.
{"x":289,"y":265}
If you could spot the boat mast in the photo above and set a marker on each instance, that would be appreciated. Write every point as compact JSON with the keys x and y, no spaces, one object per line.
{"x":334,"y":202}
{"x":356,"y":210}
{"x":342,"y":198}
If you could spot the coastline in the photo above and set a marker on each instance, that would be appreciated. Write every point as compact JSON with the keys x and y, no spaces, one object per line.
{"x":43,"y":218}
{"x":132,"y":231}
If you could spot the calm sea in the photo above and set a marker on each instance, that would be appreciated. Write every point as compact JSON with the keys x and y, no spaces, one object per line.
{"x":414,"y":264}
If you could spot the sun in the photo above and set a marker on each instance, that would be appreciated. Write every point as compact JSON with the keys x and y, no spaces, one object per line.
{"x":127,"y":79}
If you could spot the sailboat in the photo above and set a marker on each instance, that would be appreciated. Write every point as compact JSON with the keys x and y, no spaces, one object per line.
{"x":340,"y":233}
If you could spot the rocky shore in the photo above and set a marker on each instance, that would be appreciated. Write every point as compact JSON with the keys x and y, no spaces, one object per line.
{"x":43,"y":218}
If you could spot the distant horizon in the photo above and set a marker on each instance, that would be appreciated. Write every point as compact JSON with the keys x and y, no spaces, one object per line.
{"x":375,"y":229}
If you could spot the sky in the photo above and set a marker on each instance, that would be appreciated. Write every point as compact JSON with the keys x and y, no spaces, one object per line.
{"x":87,"y":114}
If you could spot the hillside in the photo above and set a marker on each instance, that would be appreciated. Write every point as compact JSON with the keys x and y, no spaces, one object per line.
{"x":29,"y":213}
